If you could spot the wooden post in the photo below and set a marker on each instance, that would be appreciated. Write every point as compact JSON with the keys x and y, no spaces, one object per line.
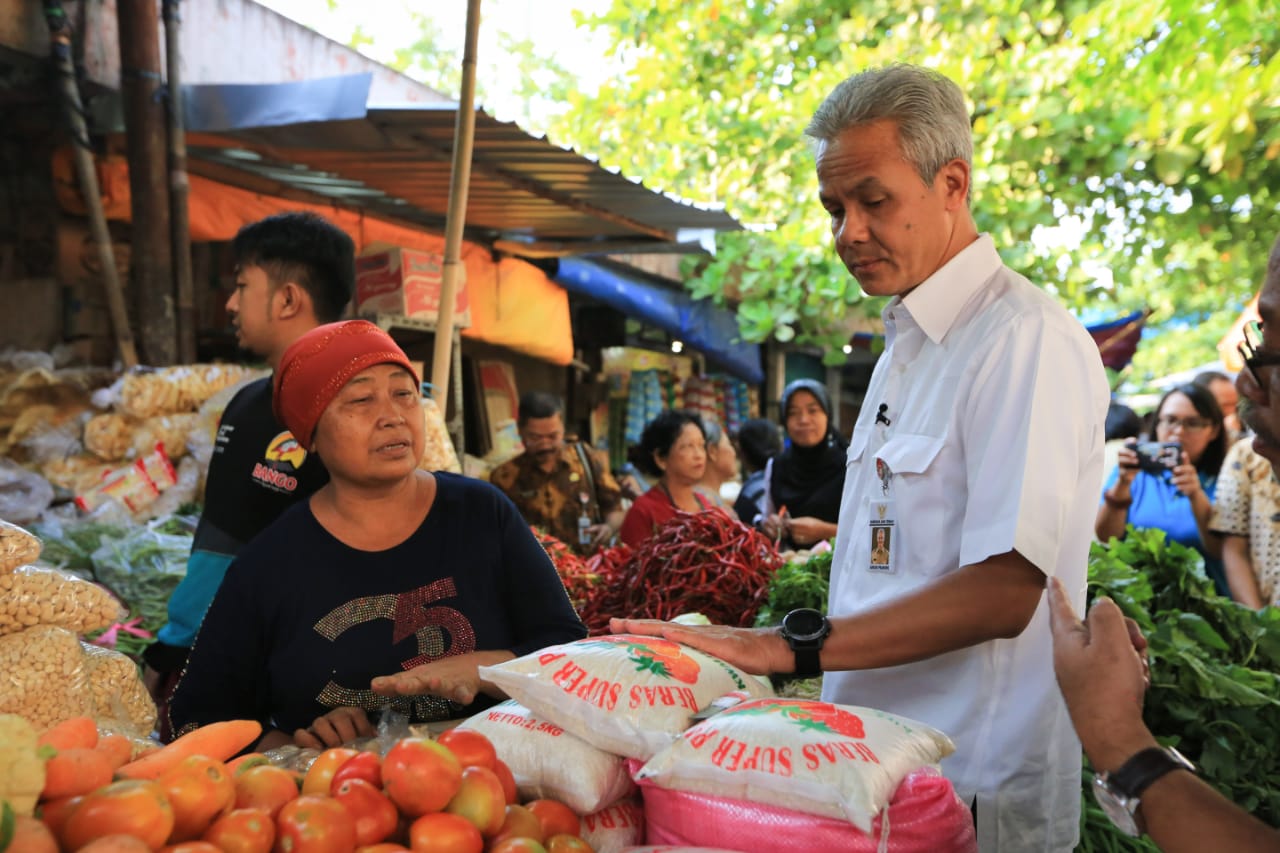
{"x":73,"y":111}
{"x":459,"y":183}
{"x":152,"y":259}
{"x":179,"y":188}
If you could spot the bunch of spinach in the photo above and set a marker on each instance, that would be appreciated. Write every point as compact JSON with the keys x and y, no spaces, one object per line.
{"x":799,"y":583}
{"x":1214,"y":690}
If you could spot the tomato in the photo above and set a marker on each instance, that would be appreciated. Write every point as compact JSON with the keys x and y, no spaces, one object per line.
{"x":132,"y":807}
{"x":315,"y":824}
{"x":54,"y":813}
{"x":375,"y":816}
{"x":200,"y":791}
{"x":567,"y":844}
{"x":508,"y":780}
{"x":365,"y":765}
{"x":265,"y":787}
{"x":243,"y":831}
{"x":31,"y":836}
{"x":519,"y":822}
{"x":472,"y":748}
{"x":420,"y":775}
{"x":556,"y":818}
{"x":441,"y":832}
{"x":480,"y":800}
{"x":384,"y":847}
{"x":518,"y":845}
{"x":116,"y":844}
{"x":191,"y":847}
{"x":321,"y":771}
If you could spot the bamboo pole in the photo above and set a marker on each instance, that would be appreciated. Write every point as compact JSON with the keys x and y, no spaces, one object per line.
{"x":179,"y":188}
{"x":459,"y":183}
{"x":73,"y":110}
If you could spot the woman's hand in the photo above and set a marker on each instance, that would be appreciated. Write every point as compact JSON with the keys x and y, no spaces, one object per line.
{"x":807,"y":530}
{"x":773,"y":526}
{"x":339,"y":726}
{"x":456,"y":678}
{"x":1127,"y":460}
{"x":1186,"y":479}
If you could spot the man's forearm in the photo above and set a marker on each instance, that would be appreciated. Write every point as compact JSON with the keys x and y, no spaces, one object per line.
{"x":1183,"y":814}
{"x":994,"y":599}
{"x":1237,"y":564}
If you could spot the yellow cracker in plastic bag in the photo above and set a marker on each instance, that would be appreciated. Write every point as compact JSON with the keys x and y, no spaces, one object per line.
{"x":31,"y":596}
{"x":42,"y":675}
{"x":109,"y":436}
{"x":117,"y":690}
{"x":17,"y":547}
{"x":169,"y":430}
{"x":438,"y":453}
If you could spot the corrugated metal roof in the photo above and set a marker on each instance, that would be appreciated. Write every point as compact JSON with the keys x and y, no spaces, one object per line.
{"x":527,"y":196}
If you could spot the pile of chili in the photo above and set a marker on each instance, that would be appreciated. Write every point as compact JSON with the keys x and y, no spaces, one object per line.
{"x":578,"y":579}
{"x":701,"y":562}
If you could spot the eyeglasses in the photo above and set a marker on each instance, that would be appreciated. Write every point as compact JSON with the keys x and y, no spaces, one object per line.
{"x":1251,"y":350}
{"x":1185,"y":424}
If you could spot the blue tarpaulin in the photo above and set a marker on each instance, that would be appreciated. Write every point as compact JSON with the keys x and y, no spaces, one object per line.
{"x":700,"y":324}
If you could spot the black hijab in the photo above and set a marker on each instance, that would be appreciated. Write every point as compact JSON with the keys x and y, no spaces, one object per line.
{"x":809,"y":481}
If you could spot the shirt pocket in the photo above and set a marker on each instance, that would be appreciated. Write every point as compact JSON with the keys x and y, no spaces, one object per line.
{"x":909,"y":453}
{"x":925,"y":502}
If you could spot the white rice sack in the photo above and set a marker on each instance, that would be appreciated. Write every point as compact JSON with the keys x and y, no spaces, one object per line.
{"x":616,"y":827}
{"x":839,"y":761}
{"x":549,"y":763}
{"x":624,"y":694}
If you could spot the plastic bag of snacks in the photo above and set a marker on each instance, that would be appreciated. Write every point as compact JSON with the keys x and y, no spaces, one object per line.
{"x":438,"y":453}
{"x":116,"y":690}
{"x":625,"y":694}
{"x":146,"y":393}
{"x":839,"y":761}
{"x":924,"y":816}
{"x":42,"y":675}
{"x":109,"y":436}
{"x":17,"y":547}
{"x":614,"y":827}
{"x":30,"y":595}
{"x":548,"y":762}
{"x":135,"y":486}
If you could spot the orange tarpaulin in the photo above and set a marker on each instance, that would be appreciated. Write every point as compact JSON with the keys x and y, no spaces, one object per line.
{"x":513,"y":303}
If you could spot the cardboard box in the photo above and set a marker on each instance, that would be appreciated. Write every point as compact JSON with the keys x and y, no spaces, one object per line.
{"x":406,"y":282}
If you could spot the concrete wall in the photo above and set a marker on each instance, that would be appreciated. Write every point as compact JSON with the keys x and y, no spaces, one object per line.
{"x":223,"y":41}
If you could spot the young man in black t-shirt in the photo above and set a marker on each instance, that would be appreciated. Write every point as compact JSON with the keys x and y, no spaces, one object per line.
{"x":294,"y":271}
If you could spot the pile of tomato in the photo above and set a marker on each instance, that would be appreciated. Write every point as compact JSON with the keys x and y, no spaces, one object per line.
{"x":448,"y":795}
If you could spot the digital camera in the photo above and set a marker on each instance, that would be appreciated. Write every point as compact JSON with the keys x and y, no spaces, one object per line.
{"x":1157,"y":456}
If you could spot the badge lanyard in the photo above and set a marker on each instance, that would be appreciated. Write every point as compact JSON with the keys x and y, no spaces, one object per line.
{"x":882,"y":524}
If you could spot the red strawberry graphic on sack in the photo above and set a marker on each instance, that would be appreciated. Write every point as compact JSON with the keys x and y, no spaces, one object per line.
{"x":812,"y":716}
{"x":656,"y":655}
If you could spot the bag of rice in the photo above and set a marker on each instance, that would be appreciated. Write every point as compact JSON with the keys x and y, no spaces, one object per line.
{"x":549,"y":763}
{"x":615,"y":827}
{"x":839,"y":761}
{"x":625,"y":694}
{"x":924,"y":816}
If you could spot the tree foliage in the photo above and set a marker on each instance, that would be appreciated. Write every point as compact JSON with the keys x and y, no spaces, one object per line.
{"x":1126,"y":151}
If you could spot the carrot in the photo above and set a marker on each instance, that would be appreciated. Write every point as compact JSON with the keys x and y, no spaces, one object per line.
{"x":75,"y":771}
{"x":117,"y":748}
{"x":241,"y":763}
{"x":218,"y":741}
{"x":75,"y":733}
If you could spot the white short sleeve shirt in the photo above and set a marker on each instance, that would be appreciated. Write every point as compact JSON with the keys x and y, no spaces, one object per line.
{"x":996,"y":400}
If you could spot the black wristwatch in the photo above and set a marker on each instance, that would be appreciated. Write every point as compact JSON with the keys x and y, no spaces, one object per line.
{"x":805,"y":630}
{"x":1120,"y":793}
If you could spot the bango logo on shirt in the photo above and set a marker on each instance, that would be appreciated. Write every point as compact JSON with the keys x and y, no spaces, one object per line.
{"x":284,"y":455}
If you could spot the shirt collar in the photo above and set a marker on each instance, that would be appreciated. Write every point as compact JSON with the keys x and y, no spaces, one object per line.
{"x":935,"y":303}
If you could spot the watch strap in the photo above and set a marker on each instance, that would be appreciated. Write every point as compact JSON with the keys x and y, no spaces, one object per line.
{"x":808,"y":664}
{"x":1145,"y":767}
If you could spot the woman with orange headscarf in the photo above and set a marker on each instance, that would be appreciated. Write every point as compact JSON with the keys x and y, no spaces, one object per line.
{"x":389,"y":587}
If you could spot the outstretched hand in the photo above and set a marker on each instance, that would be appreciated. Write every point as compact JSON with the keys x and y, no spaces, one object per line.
{"x":1102,"y":672}
{"x":759,"y":651}
{"x":339,"y":726}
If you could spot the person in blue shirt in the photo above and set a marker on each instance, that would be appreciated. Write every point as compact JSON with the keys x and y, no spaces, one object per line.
{"x":1178,"y":500}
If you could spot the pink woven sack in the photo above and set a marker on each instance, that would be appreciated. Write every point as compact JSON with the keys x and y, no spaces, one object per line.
{"x":924,"y":816}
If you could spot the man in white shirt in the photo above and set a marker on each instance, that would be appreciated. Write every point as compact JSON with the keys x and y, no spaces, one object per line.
{"x":980,"y":450}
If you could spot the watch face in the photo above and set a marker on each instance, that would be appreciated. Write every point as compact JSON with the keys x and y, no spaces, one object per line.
{"x":804,"y":624}
{"x":1115,"y":807}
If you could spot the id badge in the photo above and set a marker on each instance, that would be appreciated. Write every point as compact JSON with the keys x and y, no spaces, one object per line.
{"x":882,"y":532}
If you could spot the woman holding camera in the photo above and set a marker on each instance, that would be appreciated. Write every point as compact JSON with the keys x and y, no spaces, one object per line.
{"x":1171,"y":488}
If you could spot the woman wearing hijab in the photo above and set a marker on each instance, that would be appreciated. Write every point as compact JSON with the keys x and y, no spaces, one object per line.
{"x":389,"y":587}
{"x":805,"y":481}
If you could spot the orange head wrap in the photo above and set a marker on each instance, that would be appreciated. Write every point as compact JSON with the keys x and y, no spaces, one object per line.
{"x":316,"y":366}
